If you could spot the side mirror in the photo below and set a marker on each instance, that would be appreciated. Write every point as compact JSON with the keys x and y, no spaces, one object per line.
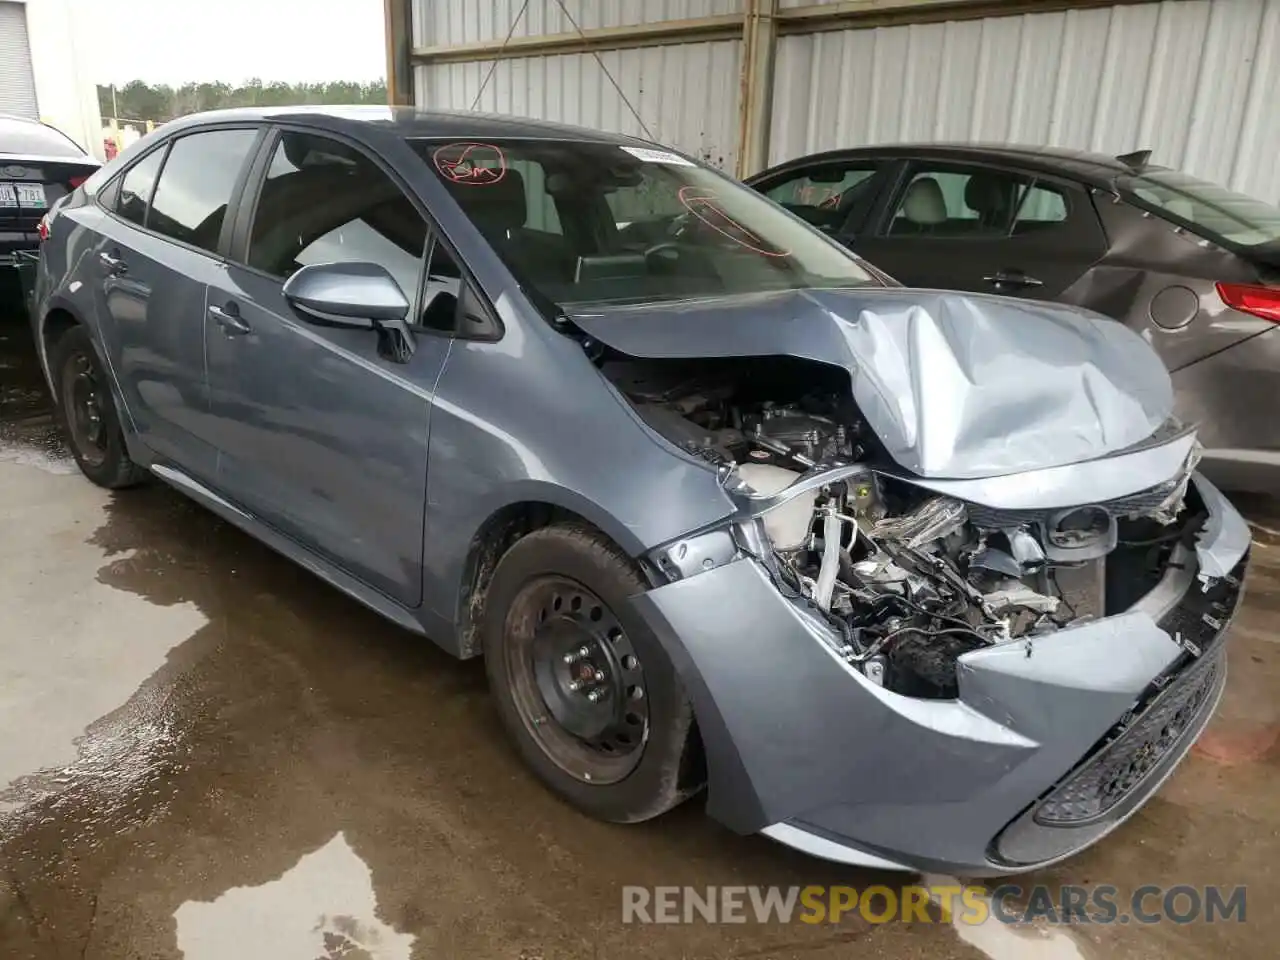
{"x":359,"y":295}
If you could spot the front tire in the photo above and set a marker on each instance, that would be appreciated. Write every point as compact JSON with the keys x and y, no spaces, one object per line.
{"x":88,"y":413}
{"x":582,"y":684}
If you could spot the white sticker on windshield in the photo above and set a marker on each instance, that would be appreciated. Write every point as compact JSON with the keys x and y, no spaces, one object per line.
{"x":658,"y":156}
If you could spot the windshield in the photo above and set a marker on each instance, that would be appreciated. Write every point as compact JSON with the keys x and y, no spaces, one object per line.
{"x":1213,"y":211}
{"x":582,"y":223}
{"x":24,"y":138}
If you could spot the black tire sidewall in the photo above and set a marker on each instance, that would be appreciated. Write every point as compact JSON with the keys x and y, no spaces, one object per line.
{"x":116,"y":468}
{"x":585,"y":556}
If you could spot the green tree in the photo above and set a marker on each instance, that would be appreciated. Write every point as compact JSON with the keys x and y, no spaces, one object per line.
{"x":137,"y":100}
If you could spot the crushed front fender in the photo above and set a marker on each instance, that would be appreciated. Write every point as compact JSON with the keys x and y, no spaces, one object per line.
{"x":802,"y":746}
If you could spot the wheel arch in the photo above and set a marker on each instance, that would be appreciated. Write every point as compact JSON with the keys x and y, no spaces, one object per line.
{"x":56,"y":320}
{"x":507,"y":524}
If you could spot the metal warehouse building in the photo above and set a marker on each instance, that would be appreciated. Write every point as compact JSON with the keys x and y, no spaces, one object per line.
{"x":40,"y":75}
{"x":748,"y":83}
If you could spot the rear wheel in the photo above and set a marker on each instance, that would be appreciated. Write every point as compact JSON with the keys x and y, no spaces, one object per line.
{"x":89,"y":413}
{"x":582,"y":684}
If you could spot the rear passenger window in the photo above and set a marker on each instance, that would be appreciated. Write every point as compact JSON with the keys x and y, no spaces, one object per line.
{"x":109,"y":196}
{"x":945,"y":203}
{"x":196,"y":183}
{"x":326,"y":202}
{"x":1041,"y":205}
{"x":976,"y":204}
{"x":135,"y":189}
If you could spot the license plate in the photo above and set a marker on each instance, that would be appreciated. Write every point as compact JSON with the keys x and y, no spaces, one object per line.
{"x":28,"y":195}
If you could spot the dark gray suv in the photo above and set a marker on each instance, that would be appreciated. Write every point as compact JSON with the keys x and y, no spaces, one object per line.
{"x":903,"y":578}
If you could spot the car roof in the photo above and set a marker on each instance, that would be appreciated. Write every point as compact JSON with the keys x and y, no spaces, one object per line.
{"x":14,"y":120}
{"x":18,"y":118}
{"x":413,"y":122}
{"x":16,"y":125}
{"x":1094,"y":168}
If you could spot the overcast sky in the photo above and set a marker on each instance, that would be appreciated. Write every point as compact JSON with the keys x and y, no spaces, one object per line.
{"x":177,"y":41}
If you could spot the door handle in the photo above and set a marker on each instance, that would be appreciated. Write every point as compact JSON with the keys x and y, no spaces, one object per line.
{"x":229,"y":319}
{"x":1012,"y":278}
{"x":114,"y":265}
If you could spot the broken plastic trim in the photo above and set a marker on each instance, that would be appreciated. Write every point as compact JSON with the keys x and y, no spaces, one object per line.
{"x":742,"y":532}
{"x":1224,"y":538}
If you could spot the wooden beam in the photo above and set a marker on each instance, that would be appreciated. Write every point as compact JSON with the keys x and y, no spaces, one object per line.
{"x":815,"y":18}
{"x":399,"y":31}
{"x":727,"y":27}
{"x":759,"y":49}
{"x":849,"y":14}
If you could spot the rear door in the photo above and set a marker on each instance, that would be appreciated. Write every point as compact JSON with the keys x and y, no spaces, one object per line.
{"x":154,"y":259}
{"x":320,"y":434}
{"x":986,"y":229}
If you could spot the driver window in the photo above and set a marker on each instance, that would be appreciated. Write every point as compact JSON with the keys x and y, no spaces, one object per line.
{"x":823,"y":196}
{"x":326,"y":202}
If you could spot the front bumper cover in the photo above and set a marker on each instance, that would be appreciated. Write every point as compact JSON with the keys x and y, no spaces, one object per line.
{"x":804,"y":748}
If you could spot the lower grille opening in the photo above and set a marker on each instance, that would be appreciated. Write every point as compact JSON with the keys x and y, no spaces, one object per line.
{"x":1172,"y":708}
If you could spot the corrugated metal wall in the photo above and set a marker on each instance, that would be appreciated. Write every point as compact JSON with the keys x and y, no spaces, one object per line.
{"x":440,"y":22}
{"x":1190,"y":79}
{"x":17,"y":82}
{"x":686,"y":93}
{"x":1194,"y":81}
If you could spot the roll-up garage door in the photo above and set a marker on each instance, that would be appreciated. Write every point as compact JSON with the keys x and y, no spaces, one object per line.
{"x":17,"y":85}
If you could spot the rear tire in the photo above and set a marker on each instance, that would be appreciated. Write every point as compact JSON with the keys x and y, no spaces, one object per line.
{"x":632,"y":753}
{"x":88,"y":413}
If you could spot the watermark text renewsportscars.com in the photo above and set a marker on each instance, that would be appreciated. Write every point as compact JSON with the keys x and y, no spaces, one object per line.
{"x":967,"y":904}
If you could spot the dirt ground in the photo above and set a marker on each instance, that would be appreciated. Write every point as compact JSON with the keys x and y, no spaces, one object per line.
{"x":207,"y":753}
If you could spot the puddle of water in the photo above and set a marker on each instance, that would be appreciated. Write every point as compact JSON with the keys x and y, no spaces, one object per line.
{"x":74,"y":648}
{"x":29,"y":435}
{"x":54,"y":461}
{"x":1003,"y":941}
{"x":324,"y":907}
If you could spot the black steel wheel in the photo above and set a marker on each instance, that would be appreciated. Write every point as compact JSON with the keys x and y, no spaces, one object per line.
{"x":82,"y":393}
{"x":89,"y":413}
{"x":581,"y":682}
{"x":577,"y":682}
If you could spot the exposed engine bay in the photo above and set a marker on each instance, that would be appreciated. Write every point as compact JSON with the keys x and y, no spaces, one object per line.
{"x":775,"y":411}
{"x":910,"y":580}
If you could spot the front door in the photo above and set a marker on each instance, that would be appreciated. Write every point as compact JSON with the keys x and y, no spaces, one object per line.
{"x":320,"y":435}
{"x":155,"y":258}
{"x":960,"y":227}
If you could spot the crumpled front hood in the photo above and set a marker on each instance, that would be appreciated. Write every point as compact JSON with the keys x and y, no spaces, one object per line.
{"x":955,"y":385}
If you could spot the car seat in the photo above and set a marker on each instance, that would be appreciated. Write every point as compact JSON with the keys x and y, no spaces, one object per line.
{"x":991,"y":197}
{"x":500,"y":210}
{"x":923,"y":210}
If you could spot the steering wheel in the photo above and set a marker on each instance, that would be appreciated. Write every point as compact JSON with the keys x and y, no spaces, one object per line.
{"x":680,"y":225}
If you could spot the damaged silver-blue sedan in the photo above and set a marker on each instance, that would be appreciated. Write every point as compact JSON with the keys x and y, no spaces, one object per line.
{"x":901,"y":578}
